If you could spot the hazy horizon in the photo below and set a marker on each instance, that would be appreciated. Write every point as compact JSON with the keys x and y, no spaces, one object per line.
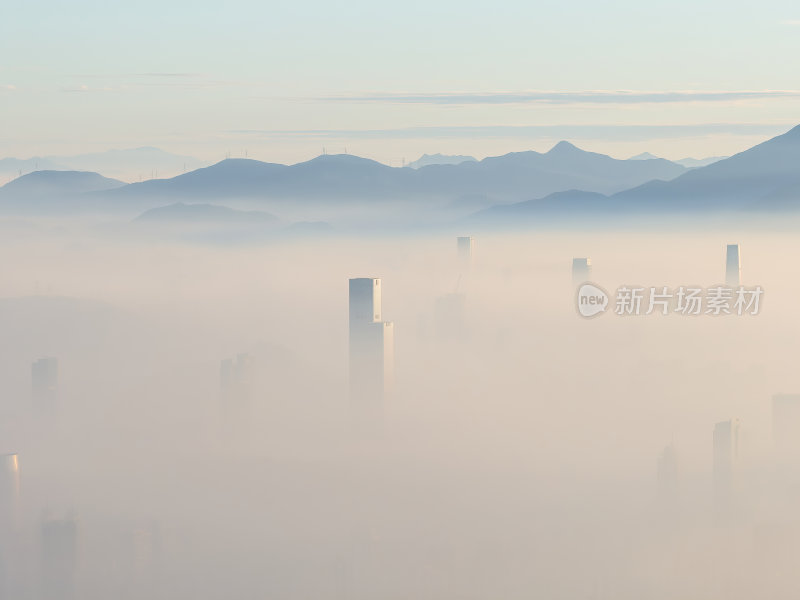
{"x":557,"y":371}
{"x":392,"y":83}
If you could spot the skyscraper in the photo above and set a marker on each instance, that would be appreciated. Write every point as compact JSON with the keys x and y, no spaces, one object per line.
{"x":726,"y":450}
{"x":581,"y":270}
{"x":371,"y":350}
{"x":9,"y":526}
{"x":44,"y":381}
{"x":9,"y":489}
{"x":466,"y":247}
{"x":59,"y":551}
{"x":733,"y":266}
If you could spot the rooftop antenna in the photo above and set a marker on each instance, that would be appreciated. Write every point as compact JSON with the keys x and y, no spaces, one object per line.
{"x":345,"y":149}
{"x":323,"y":151}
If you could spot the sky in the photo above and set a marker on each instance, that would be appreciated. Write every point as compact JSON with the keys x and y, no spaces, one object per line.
{"x":282,"y":81}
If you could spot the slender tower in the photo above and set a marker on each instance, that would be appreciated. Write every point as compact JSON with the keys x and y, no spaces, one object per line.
{"x":466,"y":248}
{"x":733,"y":266}
{"x":9,"y":525}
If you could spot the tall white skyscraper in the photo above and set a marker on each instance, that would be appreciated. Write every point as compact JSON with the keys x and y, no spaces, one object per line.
{"x":733,"y":266}
{"x":371,"y":350}
{"x":581,"y":270}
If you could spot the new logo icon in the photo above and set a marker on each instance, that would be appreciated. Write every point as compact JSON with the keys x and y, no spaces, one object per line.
{"x":592,"y":300}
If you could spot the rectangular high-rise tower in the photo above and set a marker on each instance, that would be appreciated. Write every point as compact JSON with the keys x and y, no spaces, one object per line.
{"x":581,"y":270}
{"x":371,"y":349}
{"x":465,"y":246}
{"x":733,"y":266}
{"x":365,"y":300}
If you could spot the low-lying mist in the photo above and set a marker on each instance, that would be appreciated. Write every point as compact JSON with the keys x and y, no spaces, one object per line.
{"x":517,"y":455}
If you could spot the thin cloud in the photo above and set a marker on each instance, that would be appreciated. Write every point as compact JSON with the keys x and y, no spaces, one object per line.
{"x":175,"y":75}
{"x":545,"y":132}
{"x":83,"y":88}
{"x":562,"y":97}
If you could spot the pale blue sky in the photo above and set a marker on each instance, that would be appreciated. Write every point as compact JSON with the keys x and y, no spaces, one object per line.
{"x":395,"y":80}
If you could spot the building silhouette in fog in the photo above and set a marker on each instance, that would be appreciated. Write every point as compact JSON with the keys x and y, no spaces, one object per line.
{"x":466,"y":247}
{"x":236,"y":378}
{"x":786,"y":424}
{"x":44,"y":381}
{"x":733,"y":266}
{"x":667,"y":475}
{"x":449,"y":316}
{"x":371,"y":350}
{"x":9,"y":525}
{"x":726,"y":450}
{"x":581,"y":270}
{"x":59,"y":552}
{"x":9,"y":487}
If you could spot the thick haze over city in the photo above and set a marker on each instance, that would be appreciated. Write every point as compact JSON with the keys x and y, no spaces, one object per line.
{"x":438,"y":301}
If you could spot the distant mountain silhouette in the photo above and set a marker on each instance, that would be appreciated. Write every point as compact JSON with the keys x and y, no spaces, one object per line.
{"x":566,"y":180}
{"x":130,"y":163}
{"x":694,"y":163}
{"x":439,"y":159}
{"x":764,"y":178}
{"x":15,"y":167}
{"x":689,"y":163}
{"x":205,"y":214}
{"x":507,"y":178}
{"x":567,"y":203}
{"x":734,"y":182}
{"x":48,"y":190}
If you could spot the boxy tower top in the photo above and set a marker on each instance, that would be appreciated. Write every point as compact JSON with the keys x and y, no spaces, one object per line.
{"x":365,"y":300}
